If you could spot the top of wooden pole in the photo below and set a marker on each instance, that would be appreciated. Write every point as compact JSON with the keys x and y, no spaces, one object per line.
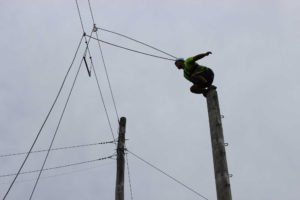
{"x":123,"y":121}
{"x":211,"y":90}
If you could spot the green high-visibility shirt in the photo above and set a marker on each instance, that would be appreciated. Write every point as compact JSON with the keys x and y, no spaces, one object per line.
{"x":191,"y":67}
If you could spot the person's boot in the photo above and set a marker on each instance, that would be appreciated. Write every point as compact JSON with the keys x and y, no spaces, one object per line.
{"x":197,"y":89}
{"x":212,"y":87}
{"x":205,"y":91}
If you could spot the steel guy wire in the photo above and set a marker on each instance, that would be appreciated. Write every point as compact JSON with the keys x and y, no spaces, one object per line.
{"x":103,"y":102}
{"x":91,"y":11}
{"x":59,"y":148}
{"x":102,"y":98}
{"x":54,"y":136}
{"x":108,"y":80}
{"x":84,"y":34}
{"x":58,"y":125}
{"x":166,"y":174}
{"x":129,"y":177}
{"x":130,"y":38}
{"x":44,"y":122}
{"x":58,"y":167}
{"x":104,"y":63}
{"x":81,"y":21}
{"x":101,"y":94}
{"x":61,"y":117}
{"x":147,"y":54}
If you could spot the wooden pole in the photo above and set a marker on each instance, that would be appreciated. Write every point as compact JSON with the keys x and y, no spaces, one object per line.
{"x":119,"y":193}
{"x":218,"y":147}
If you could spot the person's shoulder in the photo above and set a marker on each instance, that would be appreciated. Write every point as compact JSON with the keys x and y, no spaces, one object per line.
{"x":189,"y":60}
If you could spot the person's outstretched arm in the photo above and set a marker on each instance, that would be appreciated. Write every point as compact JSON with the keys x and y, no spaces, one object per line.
{"x":200,"y":56}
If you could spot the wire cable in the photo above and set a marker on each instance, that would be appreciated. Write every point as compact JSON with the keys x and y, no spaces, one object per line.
{"x":54,"y":136}
{"x":102,"y":98}
{"x":92,"y":66}
{"x":130,"y":38}
{"x":59,"y":148}
{"x":108,"y":80}
{"x":81,"y":21}
{"x":129,"y":177}
{"x":104,"y":63}
{"x":166,"y":174}
{"x":61,"y":117}
{"x":63,"y":174}
{"x":44,"y":122}
{"x":58,"y":167}
{"x":147,"y":54}
{"x":91,"y":11}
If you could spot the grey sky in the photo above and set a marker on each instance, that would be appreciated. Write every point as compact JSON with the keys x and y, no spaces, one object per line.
{"x":255,"y":47}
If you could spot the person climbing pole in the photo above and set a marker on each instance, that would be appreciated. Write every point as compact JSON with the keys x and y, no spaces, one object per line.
{"x":201,"y":76}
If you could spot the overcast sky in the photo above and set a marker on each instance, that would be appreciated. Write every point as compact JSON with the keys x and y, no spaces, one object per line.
{"x":255,"y":46}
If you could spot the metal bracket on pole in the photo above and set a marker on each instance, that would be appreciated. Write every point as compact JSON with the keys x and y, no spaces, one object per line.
{"x":87,"y":67}
{"x":95,"y":29}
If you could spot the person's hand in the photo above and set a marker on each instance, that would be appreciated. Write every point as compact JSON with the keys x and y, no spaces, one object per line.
{"x":207,"y":53}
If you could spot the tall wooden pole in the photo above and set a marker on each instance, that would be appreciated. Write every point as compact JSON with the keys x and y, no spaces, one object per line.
{"x":119,"y":193}
{"x":218,"y":147}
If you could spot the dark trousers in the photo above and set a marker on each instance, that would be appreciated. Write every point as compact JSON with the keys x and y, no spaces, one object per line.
{"x":208,"y":74}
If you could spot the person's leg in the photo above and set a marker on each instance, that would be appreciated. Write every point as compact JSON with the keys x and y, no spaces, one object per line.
{"x":203,"y":82}
{"x":208,"y":74}
{"x":204,"y":79}
{"x":199,"y":79}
